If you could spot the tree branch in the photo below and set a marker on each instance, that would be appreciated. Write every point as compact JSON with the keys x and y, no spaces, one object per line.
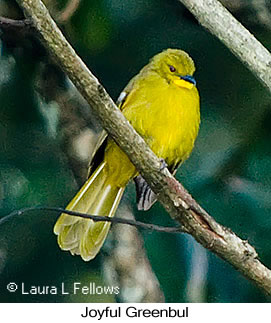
{"x":218,"y":20}
{"x":176,"y":200}
{"x":12,"y":25}
{"x":15,"y":30}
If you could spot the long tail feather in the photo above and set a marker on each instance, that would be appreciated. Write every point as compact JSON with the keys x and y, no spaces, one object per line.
{"x":96,"y":197}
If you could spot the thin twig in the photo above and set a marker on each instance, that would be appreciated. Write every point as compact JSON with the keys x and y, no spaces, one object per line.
{"x":11,"y":25}
{"x":14,"y":32}
{"x":98,"y":218}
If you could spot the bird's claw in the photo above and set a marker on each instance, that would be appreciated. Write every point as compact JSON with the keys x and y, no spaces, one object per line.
{"x":163,"y":164}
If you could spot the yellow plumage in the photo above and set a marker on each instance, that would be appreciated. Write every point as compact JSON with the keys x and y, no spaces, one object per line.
{"x":162,"y":104}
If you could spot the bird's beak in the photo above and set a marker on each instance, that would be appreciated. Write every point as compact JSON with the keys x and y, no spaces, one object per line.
{"x":186,"y":81}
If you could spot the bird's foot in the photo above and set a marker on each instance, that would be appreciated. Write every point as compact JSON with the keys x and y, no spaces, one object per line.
{"x":163,"y":164}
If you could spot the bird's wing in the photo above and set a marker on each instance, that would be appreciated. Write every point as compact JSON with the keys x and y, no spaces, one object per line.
{"x":125,"y":93}
{"x":145,"y":196}
{"x":98,"y":152}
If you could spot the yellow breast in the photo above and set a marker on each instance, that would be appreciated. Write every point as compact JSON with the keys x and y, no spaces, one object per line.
{"x":166,"y":116}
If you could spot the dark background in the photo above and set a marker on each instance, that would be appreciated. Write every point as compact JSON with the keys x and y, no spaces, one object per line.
{"x":228,"y":172}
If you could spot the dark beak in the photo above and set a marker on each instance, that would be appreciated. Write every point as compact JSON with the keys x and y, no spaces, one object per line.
{"x":189,"y":79}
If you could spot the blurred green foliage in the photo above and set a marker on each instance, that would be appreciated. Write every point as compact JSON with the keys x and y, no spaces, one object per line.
{"x":228,"y":172}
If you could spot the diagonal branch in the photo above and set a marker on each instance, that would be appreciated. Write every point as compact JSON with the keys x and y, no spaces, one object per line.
{"x":176,"y":200}
{"x":218,"y":20}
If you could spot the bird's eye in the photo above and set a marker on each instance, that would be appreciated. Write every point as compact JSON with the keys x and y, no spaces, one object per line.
{"x":172,"y":68}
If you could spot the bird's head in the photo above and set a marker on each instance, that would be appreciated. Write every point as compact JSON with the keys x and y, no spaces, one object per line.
{"x":176,"y":66}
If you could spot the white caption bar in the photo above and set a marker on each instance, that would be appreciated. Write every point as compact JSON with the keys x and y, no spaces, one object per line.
{"x":172,"y":312}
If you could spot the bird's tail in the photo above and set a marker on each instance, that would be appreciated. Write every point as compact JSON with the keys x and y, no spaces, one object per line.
{"x":97,"y":197}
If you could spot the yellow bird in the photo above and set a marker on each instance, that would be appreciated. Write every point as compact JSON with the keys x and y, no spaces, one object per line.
{"x":162,"y":104}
